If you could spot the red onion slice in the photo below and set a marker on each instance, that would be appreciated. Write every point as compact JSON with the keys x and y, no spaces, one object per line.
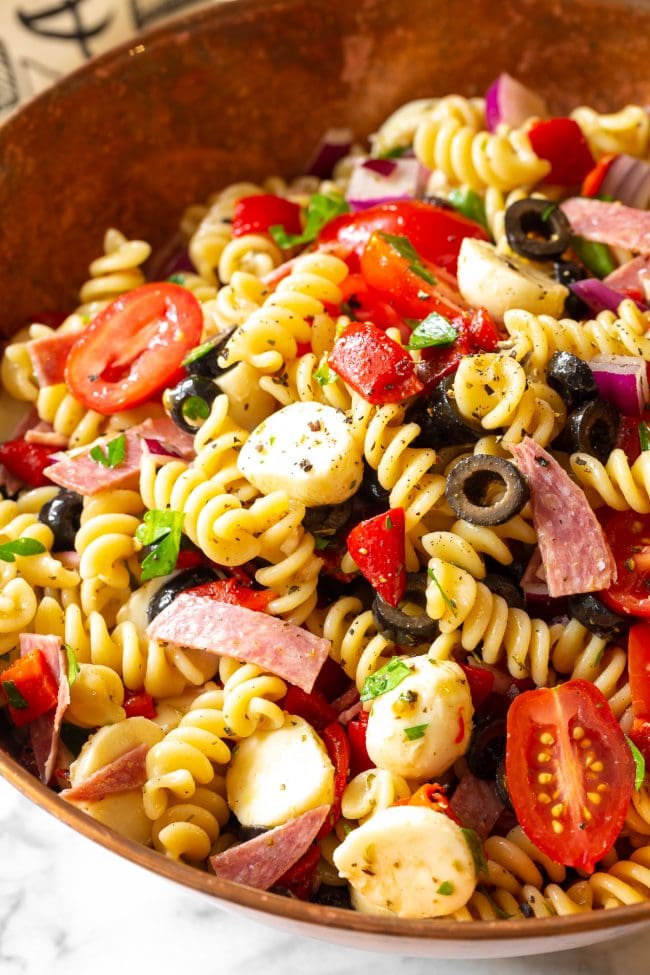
{"x":628,"y":180}
{"x":622,"y":380}
{"x":368,"y":186}
{"x":507,"y":100}
{"x":335,"y":144}
{"x":158,"y":448}
{"x":599,"y":297}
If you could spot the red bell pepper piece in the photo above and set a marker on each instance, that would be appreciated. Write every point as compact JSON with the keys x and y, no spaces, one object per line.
{"x":255,"y":214}
{"x":360,"y":760}
{"x":230,"y":591}
{"x":413,"y":286}
{"x":560,"y":141}
{"x":338,"y":749}
{"x":313,"y":707}
{"x":377,"y":368}
{"x":29,"y":687}
{"x":300,"y":878}
{"x":377,"y":547}
{"x":27,"y":461}
{"x":139,"y":704}
{"x":481,"y":684}
{"x":593,"y":181}
{"x":435,"y":232}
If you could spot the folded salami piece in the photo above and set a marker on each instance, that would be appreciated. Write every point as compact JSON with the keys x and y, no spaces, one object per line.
{"x":204,"y":623}
{"x":572,"y":544}
{"x":476,"y":804}
{"x":49,"y":356}
{"x":44,"y":732}
{"x":128,"y":771}
{"x":261,"y":862}
{"x":609,"y":223}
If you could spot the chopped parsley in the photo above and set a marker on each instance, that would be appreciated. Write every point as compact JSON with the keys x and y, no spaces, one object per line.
{"x":547,"y":211}
{"x":196,"y":408}
{"x":395,"y":153}
{"x":449,"y":603}
{"x":433,"y":330}
{"x":405,"y":249}
{"x":644,"y":435}
{"x":321,"y":209}
{"x":114,"y":454}
{"x":324,"y":375}
{"x":177,"y":278}
{"x":14,"y":697}
{"x":20,"y":546}
{"x":416,"y":731}
{"x":73,"y":665}
{"x":161,"y":531}
{"x":202,"y":350}
{"x":639,"y":765}
{"x":446,"y":888}
{"x":385,"y":679}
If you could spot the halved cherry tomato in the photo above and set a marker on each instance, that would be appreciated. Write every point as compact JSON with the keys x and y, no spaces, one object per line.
{"x":481,"y":684}
{"x":30,"y":688}
{"x":628,"y":535}
{"x":560,"y":141}
{"x":338,"y":750}
{"x":414,"y":289}
{"x":134,"y":347}
{"x":139,"y":704}
{"x":230,"y":591}
{"x":435,"y":232}
{"x":378,"y":368}
{"x":569,"y":770}
{"x":27,"y":461}
{"x":255,"y":214}
{"x":377,"y":546}
{"x":365,"y":304}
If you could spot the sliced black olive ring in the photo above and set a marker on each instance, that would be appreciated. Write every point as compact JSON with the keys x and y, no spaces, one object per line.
{"x":537,"y":229}
{"x":439,"y":420}
{"x":63,"y":515}
{"x":486,"y":490}
{"x":595,"y":616}
{"x":398,"y":626}
{"x":185,"y":579}
{"x":592,"y":429}
{"x":326,"y":520}
{"x":203,"y":361}
{"x":486,"y":748}
{"x":506,"y":588}
{"x":572,"y":378}
{"x":189,"y":402}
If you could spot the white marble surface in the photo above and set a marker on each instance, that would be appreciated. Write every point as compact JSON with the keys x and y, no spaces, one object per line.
{"x":68,"y":907}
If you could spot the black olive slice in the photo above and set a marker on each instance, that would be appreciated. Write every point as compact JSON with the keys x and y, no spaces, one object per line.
{"x":592,"y":429}
{"x":63,"y":515}
{"x":501,"y":783}
{"x":185,"y":579}
{"x":567,"y":273}
{"x":370,"y":488}
{"x":400,"y":627}
{"x":189,"y":402}
{"x":595,"y":616}
{"x":331,"y":896}
{"x":327,"y":519}
{"x":486,"y":747}
{"x":537,"y":229}
{"x":506,"y":588}
{"x":572,"y":378}
{"x":203,"y":361}
{"x":441,"y":425}
{"x":486,"y":490}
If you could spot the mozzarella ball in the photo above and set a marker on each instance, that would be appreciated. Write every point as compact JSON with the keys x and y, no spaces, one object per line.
{"x":276,"y":775}
{"x":419,"y":728}
{"x":306,"y":450}
{"x":409,"y":860}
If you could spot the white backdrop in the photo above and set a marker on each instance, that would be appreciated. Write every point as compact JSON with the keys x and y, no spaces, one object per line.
{"x":42,"y":39}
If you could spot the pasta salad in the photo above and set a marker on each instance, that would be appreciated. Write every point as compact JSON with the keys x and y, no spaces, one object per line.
{"x":325,"y":533}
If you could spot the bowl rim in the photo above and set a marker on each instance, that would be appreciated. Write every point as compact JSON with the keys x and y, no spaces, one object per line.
{"x":263,"y":902}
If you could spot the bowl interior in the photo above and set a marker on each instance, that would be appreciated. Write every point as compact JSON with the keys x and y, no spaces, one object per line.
{"x":241,"y":92}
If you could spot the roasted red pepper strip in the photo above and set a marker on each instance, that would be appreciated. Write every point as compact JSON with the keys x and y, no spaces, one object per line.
{"x":373,"y":365}
{"x":593,"y":181}
{"x":299,"y":878}
{"x":29,"y":687}
{"x":139,"y":704}
{"x":312,"y":707}
{"x":338,"y":749}
{"x":435,"y":232}
{"x":255,"y":214}
{"x":377,"y":547}
{"x":360,"y":760}
{"x":230,"y":591}
{"x":27,"y":461}
{"x":560,"y":141}
{"x":432,"y":796}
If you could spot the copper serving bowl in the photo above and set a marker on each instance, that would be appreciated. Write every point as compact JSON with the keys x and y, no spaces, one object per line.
{"x":245,"y":90}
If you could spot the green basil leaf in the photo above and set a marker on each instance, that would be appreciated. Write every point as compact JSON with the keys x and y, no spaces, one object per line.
{"x":162,"y":531}
{"x":449,"y":603}
{"x":15,"y":698}
{"x":115,"y":452}
{"x":405,"y":249}
{"x":416,"y":731}
{"x":73,"y":665}
{"x":320,"y":543}
{"x":644,"y":435}
{"x":196,"y":408}
{"x":20,"y":546}
{"x":476,"y":849}
{"x":324,"y":375}
{"x":385,"y":679}
{"x":321,"y":209}
{"x":639,"y":765}
{"x":433,"y":330}
{"x":470,"y":204}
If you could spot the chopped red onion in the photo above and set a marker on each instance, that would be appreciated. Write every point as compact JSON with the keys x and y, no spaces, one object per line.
{"x":628,"y":180}
{"x":158,"y":448}
{"x":599,"y":297}
{"x":507,"y":100}
{"x":369,"y":187}
{"x":385,"y":167}
{"x":335,"y":144}
{"x":623,"y":381}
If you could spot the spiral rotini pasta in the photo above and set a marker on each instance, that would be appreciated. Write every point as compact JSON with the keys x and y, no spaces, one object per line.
{"x":627,"y":130}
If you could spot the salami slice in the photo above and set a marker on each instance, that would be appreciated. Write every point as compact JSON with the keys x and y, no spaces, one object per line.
{"x":609,"y":223}
{"x":49,"y":356}
{"x":261,"y":862}
{"x":631,"y":276}
{"x":44,"y":433}
{"x":572,"y":544}
{"x":44,"y":731}
{"x":204,"y":623}
{"x":126,"y":772}
{"x":476,"y":804}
